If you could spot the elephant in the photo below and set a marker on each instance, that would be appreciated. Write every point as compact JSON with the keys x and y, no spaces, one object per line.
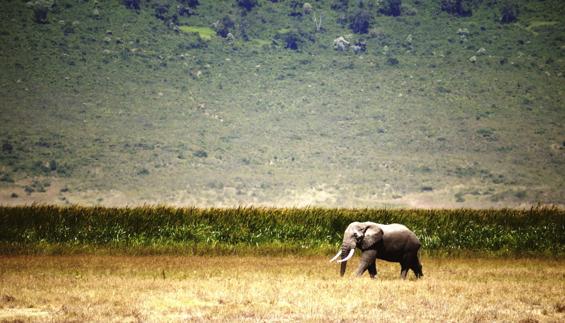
{"x":390,"y":242}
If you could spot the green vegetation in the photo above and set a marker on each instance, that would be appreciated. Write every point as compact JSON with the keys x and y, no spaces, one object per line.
{"x":539,"y":231}
{"x":537,"y":25}
{"x":205,"y":33}
{"x":540,"y":24}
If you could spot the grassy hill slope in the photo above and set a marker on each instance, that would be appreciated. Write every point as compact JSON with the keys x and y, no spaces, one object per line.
{"x":108,"y":105}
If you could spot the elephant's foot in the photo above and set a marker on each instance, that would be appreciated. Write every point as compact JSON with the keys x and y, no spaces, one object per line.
{"x":403,"y":274}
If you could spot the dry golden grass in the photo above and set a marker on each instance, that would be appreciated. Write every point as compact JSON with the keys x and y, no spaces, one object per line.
{"x":104,"y":288}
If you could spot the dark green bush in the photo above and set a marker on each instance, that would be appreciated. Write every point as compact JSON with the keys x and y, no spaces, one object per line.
{"x":461,"y":8}
{"x":292,"y":40}
{"x":360,"y":22}
{"x":225,"y":26}
{"x":340,"y":5}
{"x":190,"y":3}
{"x":391,"y":8}
{"x":392,"y":61}
{"x":508,"y":12}
{"x":247,"y":4}
{"x":40,"y":12}
{"x":132,"y":4}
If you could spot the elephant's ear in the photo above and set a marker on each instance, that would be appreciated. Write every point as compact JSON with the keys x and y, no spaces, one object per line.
{"x":373,"y":234}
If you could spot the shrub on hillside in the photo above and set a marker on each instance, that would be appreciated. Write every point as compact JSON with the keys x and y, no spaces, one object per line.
{"x":7,"y":148}
{"x":247,"y":4}
{"x":460,"y":8}
{"x":185,"y":11}
{"x":508,"y":12}
{"x":40,"y":12}
{"x":162,"y":12}
{"x":41,"y":9}
{"x":391,"y":8}
{"x":190,"y":3}
{"x":296,"y":8}
{"x":340,"y":5}
{"x":360,"y":22}
{"x":292,"y":40}
{"x":132,"y":4}
{"x":224,"y":26}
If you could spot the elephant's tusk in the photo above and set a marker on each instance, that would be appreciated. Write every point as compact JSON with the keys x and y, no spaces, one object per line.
{"x":348,"y":256}
{"x":334,"y":258}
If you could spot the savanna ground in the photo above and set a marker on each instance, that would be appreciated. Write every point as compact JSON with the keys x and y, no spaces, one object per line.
{"x":172,"y":288}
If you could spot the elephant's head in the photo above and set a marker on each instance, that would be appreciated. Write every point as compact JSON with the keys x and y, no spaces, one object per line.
{"x":363,"y":235}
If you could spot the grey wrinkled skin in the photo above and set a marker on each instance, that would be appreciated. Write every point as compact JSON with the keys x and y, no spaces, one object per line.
{"x":390,"y":242}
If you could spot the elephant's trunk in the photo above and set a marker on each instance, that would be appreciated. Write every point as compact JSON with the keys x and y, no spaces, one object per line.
{"x":344,"y":253}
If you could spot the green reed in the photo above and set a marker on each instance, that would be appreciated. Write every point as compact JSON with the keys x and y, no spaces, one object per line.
{"x":161,"y":229}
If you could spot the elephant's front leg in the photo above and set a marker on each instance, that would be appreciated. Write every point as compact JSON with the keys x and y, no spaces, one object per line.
{"x":368,"y":258}
{"x":373,"y":270}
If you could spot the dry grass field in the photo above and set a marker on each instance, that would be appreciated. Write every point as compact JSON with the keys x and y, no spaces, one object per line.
{"x":163,"y":288}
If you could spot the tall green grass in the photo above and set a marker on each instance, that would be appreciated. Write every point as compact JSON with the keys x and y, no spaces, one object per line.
{"x":159,"y":229}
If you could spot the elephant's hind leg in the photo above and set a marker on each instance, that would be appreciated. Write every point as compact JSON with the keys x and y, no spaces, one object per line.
{"x":403,"y":270}
{"x":406,"y":263}
{"x":417,"y":267}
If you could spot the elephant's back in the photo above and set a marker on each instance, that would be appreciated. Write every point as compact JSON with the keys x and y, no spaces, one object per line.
{"x":394,"y":228}
{"x":401,"y":235}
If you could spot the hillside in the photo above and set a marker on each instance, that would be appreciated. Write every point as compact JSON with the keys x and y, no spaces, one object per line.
{"x":105,"y":103}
